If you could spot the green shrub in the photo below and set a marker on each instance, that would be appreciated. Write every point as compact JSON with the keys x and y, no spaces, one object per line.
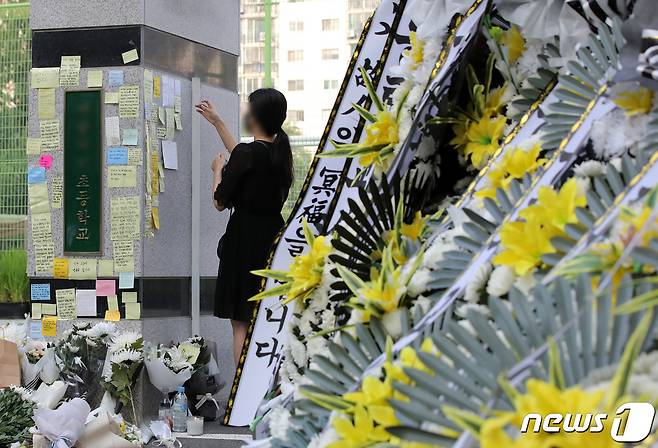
{"x":13,"y":277}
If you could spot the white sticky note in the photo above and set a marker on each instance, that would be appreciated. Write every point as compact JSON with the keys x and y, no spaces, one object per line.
{"x":85,"y":302}
{"x":130,"y":56}
{"x":170,"y":155}
{"x":95,"y":78}
{"x":112,"y":134}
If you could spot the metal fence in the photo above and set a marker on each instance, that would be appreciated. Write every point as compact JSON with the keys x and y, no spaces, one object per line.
{"x":15,"y":64}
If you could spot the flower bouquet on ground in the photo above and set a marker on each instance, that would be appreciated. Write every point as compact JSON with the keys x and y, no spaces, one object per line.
{"x":125,"y":356}
{"x":16,"y":410}
{"x":35,"y":355}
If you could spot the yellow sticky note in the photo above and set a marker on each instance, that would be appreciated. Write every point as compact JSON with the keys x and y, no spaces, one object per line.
{"x":38,"y":198}
{"x":135,"y":156}
{"x":95,"y":78}
{"x":156,"y":217}
{"x":56,"y":191}
{"x":46,"y":100}
{"x":129,"y":297}
{"x":133,"y":311}
{"x":128,"y":101}
{"x":49,"y":326}
{"x":36,"y":311}
{"x":66,"y":308}
{"x":113,"y":315}
{"x":130,"y":56}
{"x":112,"y":303}
{"x":125,"y":217}
{"x":156,"y":86}
{"x":48,"y":309}
{"x":69,"y":71}
{"x":106,"y":268}
{"x":111,"y":97}
{"x":61,"y":268}
{"x":44,"y":78}
{"x":49,"y":134}
{"x":33,"y":145}
{"x":82,"y":269}
{"x":124,"y":260}
{"x":120,"y":176}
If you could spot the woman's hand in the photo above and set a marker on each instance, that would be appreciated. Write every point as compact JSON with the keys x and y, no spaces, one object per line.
{"x":207,"y":110}
{"x":218,"y":163}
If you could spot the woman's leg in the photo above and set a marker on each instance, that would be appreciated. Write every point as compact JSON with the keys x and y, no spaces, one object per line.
{"x":239,"y":335}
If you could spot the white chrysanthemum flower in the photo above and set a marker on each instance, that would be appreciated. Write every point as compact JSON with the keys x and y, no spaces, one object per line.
{"x":325,"y":438}
{"x":392,"y":322}
{"x":589,"y":168}
{"x":463,"y":309}
{"x":298,"y":352}
{"x":528,"y":64}
{"x":615,"y":133}
{"x":316,"y":346}
{"x":123,"y":341}
{"x":501,"y":281}
{"x":477,"y":283}
{"x":125,"y":356}
{"x":525,"y":283}
{"x":100,"y":330}
{"x":176,"y":360}
{"x":418,"y":283}
{"x":279,"y":422}
{"x":583,"y":185}
{"x":421,"y":305}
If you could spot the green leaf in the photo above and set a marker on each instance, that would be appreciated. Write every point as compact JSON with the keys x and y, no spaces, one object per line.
{"x":276,"y":291}
{"x":371,"y":90}
{"x":353,"y":282}
{"x":364,"y":113}
{"x":282,"y":276}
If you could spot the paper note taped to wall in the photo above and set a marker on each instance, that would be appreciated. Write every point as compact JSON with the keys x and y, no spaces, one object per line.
{"x":82,"y":269}
{"x":121,"y":176}
{"x":129,"y":101}
{"x":95,"y":78}
{"x":33,"y":145}
{"x":85,"y":302}
{"x":69,"y":71}
{"x":44,"y":78}
{"x":49,"y":326}
{"x":130,"y":56}
{"x":49,"y":134}
{"x":57,"y":191}
{"x":38,"y":198}
{"x":106,"y":268}
{"x":65,"y":299}
{"x":46,"y":100}
{"x":112,"y":303}
{"x":112,"y":136}
{"x":124,"y":260}
{"x":61,"y":268}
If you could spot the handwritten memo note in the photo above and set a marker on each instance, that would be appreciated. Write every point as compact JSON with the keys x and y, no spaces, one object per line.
{"x":105,"y":287}
{"x":56,"y":191}
{"x":121,"y":176}
{"x":61,"y":268}
{"x":40,"y":291}
{"x":44,"y":253}
{"x":117,"y":155}
{"x":112,"y":303}
{"x":44,"y":78}
{"x":65,"y":299}
{"x":69,"y":71}
{"x":112,"y":137}
{"x":135,"y":156}
{"x":49,"y":134}
{"x":82,"y":268}
{"x":33,"y":145}
{"x":36,"y":175}
{"x":124,"y":260}
{"x":36,"y":311}
{"x":129,"y":297}
{"x":46,"y":100}
{"x":129,"y":101}
{"x":112,"y":315}
{"x":49,"y":326}
{"x":125,"y":218}
{"x":41,"y":228}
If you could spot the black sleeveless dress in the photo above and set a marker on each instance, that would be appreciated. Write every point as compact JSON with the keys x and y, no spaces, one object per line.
{"x":256,"y":193}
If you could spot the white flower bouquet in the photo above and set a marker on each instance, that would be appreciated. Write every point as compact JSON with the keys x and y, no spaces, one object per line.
{"x":171,"y":367}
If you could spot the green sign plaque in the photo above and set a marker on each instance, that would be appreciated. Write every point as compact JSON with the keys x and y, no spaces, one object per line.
{"x":83,"y":176}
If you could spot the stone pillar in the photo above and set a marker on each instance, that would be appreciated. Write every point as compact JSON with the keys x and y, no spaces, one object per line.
{"x":176,"y":40}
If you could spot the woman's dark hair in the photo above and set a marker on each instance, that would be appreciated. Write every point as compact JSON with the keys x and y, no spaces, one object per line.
{"x":269,"y":108}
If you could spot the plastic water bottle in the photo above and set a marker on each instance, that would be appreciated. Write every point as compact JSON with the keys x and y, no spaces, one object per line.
{"x":179,"y":411}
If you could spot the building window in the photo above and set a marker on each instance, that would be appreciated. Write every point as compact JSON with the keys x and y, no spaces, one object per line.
{"x":330,"y":84}
{"x":296,"y":115}
{"x":330,"y":24}
{"x":295,"y":55}
{"x":297,"y":25}
{"x":295,"y":85}
{"x":330,"y":54}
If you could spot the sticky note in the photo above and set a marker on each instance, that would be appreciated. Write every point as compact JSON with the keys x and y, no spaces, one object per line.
{"x":41,"y":228}
{"x":36,"y":329}
{"x":33,"y":145}
{"x":122,"y":176}
{"x":135,"y":156}
{"x":46,"y":106}
{"x":179,"y":122}
{"x":169,"y":123}
{"x":117,"y":155}
{"x":130,"y":137}
{"x":36,"y":175}
{"x":155,"y":214}
{"x":113,"y":315}
{"x":36,"y":311}
{"x":49,"y":309}
{"x":56,"y":191}
{"x":44,"y":254}
{"x":126,"y":280}
{"x":170,"y":155}
{"x":46,"y":161}
{"x":49,"y":326}
{"x":129,"y":101}
{"x":123,"y":257}
{"x":156,"y":86}
{"x":125,"y":216}
{"x":40,"y":291}
{"x":115,"y":78}
{"x":38,"y":198}
{"x":95,"y":78}
{"x":61,"y":268}
{"x":133,"y":311}
{"x":168,"y":91}
{"x":162,"y":115}
{"x":82,"y":269}
{"x":85,"y":302}
{"x":130,"y":56}
{"x":49,"y":134}
{"x":112,"y":137}
{"x":44,"y":78}
{"x":105,"y":268}
{"x":65,"y":299}
{"x":69,"y":71}
{"x":105,"y":287}
{"x":129,"y":297}
{"x":111,"y":97}
{"x":112,"y":303}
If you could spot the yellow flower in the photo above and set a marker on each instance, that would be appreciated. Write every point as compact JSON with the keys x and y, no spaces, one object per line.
{"x":635,"y":102}
{"x":373,"y":397}
{"x":515,"y":163}
{"x":482,"y":139}
{"x":417,"y":51}
{"x":384,"y":131}
{"x":381,"y":294}
{"x":557,"y":208}
{"x":306,"y":270}
{"x":359,"y":431}
{"x":495,"y":101}
{"x":414,"y":230}
{"x":513,"y":40}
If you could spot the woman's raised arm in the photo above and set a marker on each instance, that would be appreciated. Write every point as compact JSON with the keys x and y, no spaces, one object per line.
{"x":207,"y":110}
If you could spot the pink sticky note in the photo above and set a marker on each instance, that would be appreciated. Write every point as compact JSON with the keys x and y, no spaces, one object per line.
{"x":105,"y":288}
{"x":46,"y":161}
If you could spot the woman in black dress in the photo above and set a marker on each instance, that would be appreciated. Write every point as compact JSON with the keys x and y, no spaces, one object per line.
{"x":254,"y":183}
